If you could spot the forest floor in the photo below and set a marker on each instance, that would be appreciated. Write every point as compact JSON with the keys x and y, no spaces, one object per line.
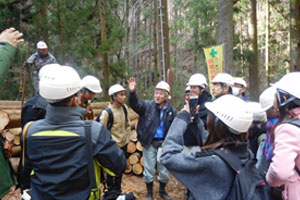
{"x":135,"y":184}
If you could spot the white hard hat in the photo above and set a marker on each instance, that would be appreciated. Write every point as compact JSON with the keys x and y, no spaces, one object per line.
{"x":223,"y":78}
{"x":232,"y":111}
{"x":197,"y":80}
{"x":187,"y":89}
{"x":115,"y":89}
{"x":163,"y":85}
{"x":91,"y":83}
{"x":240,"y":81}
{"x":41,"y":45}
{"x":290,"y":84}
{"x":266,"y":98}
{"x":58,"y":82}
{"x":258,"y":113}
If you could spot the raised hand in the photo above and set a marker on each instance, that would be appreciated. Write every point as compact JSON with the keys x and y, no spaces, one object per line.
{"x":11,"y":36}
{"x":132,"y":84}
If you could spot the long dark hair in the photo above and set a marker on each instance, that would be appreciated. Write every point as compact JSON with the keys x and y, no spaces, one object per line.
{"x":219,"y":134}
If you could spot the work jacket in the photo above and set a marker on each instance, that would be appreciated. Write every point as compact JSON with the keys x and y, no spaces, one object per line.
{"x":7,"y":53}
{"x":57,"y":151}
{"x":149,"y":120}
{"x":120,"y":129}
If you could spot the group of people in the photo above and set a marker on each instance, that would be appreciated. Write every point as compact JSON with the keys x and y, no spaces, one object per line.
{"x":187,"y":144}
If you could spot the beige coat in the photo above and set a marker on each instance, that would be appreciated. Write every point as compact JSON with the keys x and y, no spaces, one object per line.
{"x":120,"y":130}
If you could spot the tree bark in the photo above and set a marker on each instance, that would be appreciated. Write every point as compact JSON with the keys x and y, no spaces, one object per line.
{"x":166,"y":36}
{"x":106,"y":72}
{"x":294,"y":35}
{"x":155,"y":40}
{"x":253,"y":60}
{"x":267,"y":57}
{"x":225,"y":32}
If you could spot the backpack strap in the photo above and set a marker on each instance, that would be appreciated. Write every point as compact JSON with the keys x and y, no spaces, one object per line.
{"x":231,"y":160}
{"x":24,"y":141}
{"x":292,"y":121}
{"x":125,"y":112}
{"x":90,"y":155}
{"x":110,"y":117}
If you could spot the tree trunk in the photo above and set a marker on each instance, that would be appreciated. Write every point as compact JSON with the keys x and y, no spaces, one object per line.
{"x":166,"y":36}
{"x":225,"y":32}
{"x":253,"y":60}
{"x":106,"y":73}
{"x":294,"y":35}
{"x":44,"y":21}
{"x":59,"y":28}
{"x":267,"y":57}
{"x":155,"y":40}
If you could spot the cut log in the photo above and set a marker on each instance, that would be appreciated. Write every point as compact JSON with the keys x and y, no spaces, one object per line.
{"x":128,"y":167}
{"x":4,"y":120}
{"x":16,"y":150}
{"x":15,"y":163}
{"x":137,"y":169}
{"x":134,"y":158}
{"x":132,"y":115}
{"x":17,"y":140}
{"x":139,"y":146}
{"x":16,"y":131}
{"x":133,"y":135}
{"x":132,"y":124}
{"x":136,"y":124}
{"x":131,"y":148}
{"x":142,"y":161}
{"x":9,"y":136}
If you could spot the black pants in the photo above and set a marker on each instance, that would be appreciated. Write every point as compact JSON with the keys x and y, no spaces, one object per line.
{"x":114,"y":182}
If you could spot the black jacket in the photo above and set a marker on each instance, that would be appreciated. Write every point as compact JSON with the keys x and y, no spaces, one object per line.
{"x":194,"y":135}
{"x":56,"y":149}
{"x":149,"y":120}
{"x":34,"y":109}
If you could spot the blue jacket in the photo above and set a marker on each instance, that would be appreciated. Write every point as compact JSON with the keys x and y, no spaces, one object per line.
{"x":56,"y":149}
{"x":149,"y":120}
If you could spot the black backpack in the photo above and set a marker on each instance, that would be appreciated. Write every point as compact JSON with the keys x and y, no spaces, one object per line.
{"x":111,"y":116}
{"x":249,"y":183}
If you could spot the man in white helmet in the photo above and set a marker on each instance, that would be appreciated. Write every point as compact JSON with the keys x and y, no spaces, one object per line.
{"x":222,"y":84}
{"x":155,"y":119}
{"x":115,"y":118}
{"x":39,"y":59}
{"x":91,"y":87}
{"x":57,"y":147}
{"x":239,"y":88}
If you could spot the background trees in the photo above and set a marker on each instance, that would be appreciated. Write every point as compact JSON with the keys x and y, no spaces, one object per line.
{"x":114,"y":39}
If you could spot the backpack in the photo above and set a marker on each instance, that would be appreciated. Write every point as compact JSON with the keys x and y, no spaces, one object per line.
{"x":248,"y":183}
{"x":111,"y":116}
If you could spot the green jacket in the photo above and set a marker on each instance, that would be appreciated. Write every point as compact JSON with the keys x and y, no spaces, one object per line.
{"x":7,"y":179}
{"x":7,"y":52}
{"x":7,"y":176}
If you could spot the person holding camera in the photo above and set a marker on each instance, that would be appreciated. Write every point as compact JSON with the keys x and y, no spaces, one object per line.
{"x":194,"y":136}
{"x":156,"y":117}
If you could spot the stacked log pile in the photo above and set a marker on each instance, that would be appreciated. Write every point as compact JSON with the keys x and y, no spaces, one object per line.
{"x":10,"y":128}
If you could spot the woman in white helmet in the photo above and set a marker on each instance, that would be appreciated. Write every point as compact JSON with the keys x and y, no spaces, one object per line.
{"x":115,"y":118}
{"x":91,"y":87}
{"x":285,"y":165}
{"x":206,"y":175}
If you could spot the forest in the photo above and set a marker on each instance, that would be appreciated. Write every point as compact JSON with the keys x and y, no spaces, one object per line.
{"x":117,"y":39}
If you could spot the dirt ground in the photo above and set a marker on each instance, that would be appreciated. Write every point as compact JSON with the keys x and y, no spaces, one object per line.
{"x":135,"y":184}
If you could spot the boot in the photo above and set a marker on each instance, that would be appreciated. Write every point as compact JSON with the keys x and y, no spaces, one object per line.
{"x":149,"y":191}
{"x":162,"y":191}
